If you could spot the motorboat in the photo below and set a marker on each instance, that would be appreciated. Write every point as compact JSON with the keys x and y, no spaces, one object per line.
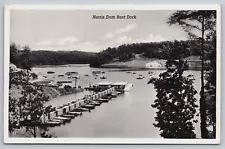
{"x":103,"y":77}
{"x":140,"y":77}
{"x":50,"y":72}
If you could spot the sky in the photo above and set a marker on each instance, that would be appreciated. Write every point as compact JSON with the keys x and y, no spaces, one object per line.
{"x":77,"y":30}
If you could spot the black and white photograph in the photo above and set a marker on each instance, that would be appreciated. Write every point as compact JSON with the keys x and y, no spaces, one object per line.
{"x":112,"y":74}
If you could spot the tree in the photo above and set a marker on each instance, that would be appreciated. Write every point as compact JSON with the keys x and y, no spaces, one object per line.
{"x":13,"y":53}
{"x":175,"y":101}
{"x":194,"y":22}
{"x":27,"y":106}
{"x":210,"y":85}
{"x":25,"y":57}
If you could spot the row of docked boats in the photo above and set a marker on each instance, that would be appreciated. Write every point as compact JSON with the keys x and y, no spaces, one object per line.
{"x":86,"y":107}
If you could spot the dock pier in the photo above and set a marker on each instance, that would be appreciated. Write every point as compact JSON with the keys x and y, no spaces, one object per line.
{"x":64,"y":113}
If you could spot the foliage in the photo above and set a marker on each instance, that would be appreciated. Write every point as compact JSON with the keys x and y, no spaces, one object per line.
{"x":175,"y":102}
{"x":21,"y":58}
{"x":210,"y":85}
{"x":198,"y":24}
{"x":160,"y":50}
{"x":26,"y":108}
{"x":191,"y":21}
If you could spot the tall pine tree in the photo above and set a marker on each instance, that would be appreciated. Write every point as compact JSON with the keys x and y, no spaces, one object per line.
{"x":197,"y":23}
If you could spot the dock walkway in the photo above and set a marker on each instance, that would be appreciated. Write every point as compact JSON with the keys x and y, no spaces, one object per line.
{"x":71,"y":107}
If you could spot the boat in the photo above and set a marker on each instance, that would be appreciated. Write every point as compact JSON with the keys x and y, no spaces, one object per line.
{"x":68,"y":115}
{"x":71,"y":73}
{"x":58,"y":120}
{"x":96,"y":72}
{"x":134,"y":72}
{"x":53,"y":123}
{"x":150,"y":72}
{"x":103,"y":77}
{"x":65,"y":81}
{"x":109,"y":97}
{"x":76,"y":77}
{"x":102,"y":100}
{"x":103,"y":72}
{"x":86,"y":75}
{"x":66,"y":119}
{"x":95,"y":103}
{"x":60,"y":75}
{"x":122,"y":86}
{"x":88,"y":106}
{"x":140,"y":77}
{"x":115,"y":94}
{"x":75,"y":113}
{"x":50,"y":72}
{"x":81,"y":110}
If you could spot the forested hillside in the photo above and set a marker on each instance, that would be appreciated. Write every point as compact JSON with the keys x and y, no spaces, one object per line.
{"x":159,"y":50}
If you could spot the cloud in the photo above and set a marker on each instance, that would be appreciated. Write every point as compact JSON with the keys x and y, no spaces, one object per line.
{"x":122,"y":30}
{"x":109,"y":35}
{"x":151,"y":38}
{"x":126,"y":29}
{"x":46,"y":42}
{"x":67,"y":40}
{"x":124,"y":40}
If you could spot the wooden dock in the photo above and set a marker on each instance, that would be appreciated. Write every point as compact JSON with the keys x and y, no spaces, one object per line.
{"x":68,"y":111}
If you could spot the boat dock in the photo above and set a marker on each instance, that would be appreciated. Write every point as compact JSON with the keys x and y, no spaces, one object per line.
{"x":69,"y":111}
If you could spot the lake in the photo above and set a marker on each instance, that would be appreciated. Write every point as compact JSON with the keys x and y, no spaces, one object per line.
{"x":128,"y":116}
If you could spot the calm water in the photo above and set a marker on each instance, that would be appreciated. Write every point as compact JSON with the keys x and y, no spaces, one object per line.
{"x":127,"y":116}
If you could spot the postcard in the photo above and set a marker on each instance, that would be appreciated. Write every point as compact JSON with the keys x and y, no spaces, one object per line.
{"x":112,"y":74}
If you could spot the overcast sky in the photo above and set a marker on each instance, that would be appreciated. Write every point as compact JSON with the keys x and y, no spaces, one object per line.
{"x":76,"y":30}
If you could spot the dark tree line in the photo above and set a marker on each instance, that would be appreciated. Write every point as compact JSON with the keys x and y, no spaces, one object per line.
{"x":161,"y":50}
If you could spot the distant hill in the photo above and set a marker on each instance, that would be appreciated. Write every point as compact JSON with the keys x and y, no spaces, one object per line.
{"x":124,"y":55}
{"x":138,"y":62}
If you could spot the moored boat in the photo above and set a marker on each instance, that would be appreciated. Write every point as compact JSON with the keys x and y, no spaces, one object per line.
{"x":50,"y":72}
{"x":88,"y":106}
{"x":56,"y":120}
{"x":63,"y":118}
{"x":75,"y":113}
{"x":109,"y":97}
{"x":81,"y":110}
{"x":95,"y":103}
{"x":53,"y":123}
{"x":140,"y":77}
{"x":68,"y":115}
{"x":102,"y":100}
{"x":115,"y":94}
{"x":103,"y":77}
